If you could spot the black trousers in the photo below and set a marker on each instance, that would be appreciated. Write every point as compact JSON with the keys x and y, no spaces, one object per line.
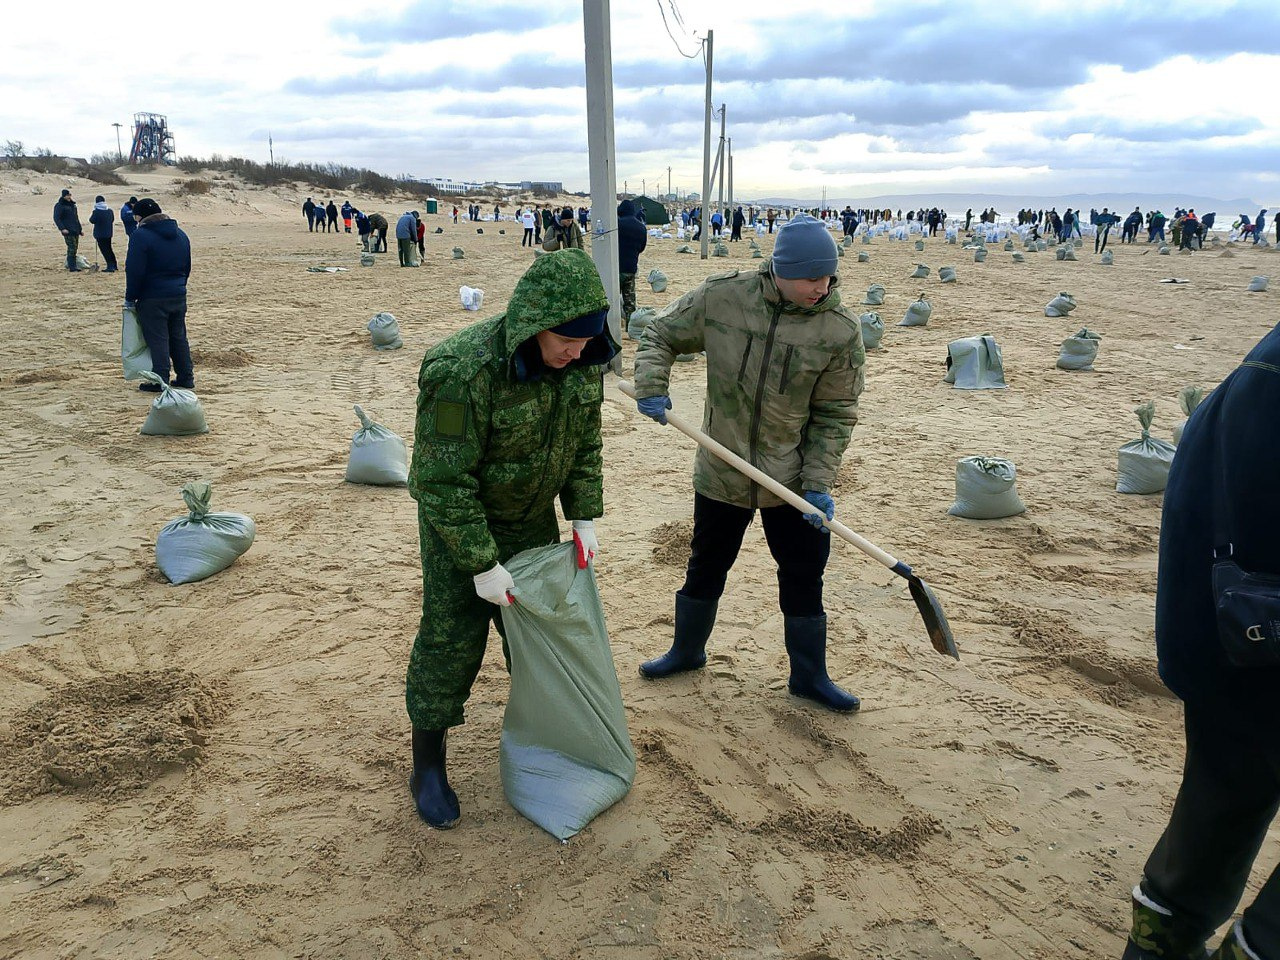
{"x":104,"y":244}
{"x":1229,"y":795}
{"x":164,"y":327}
{"x":799,"y":549}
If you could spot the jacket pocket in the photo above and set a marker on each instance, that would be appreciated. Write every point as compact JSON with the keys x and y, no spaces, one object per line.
{"x":516,"y":431}
{"x":785,"y":376}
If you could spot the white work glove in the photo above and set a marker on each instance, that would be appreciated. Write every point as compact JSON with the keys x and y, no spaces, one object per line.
{"x":495,"y":585}
{"x":584,"y":538}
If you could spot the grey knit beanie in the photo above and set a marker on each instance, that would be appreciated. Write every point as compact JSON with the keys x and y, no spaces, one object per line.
{"x":804,"y":250}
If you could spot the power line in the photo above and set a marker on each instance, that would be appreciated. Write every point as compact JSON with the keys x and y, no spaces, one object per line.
{"x":687,"y":56}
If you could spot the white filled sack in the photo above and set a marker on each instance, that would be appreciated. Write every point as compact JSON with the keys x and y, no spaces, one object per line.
{"x":378,"y":457}
{"x":471,"y":297}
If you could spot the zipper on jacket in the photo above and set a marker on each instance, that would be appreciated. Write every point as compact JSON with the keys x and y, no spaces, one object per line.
{"x":546,"y":460}
{"x":759,"y":404}
{"x":786,"y":370}
{"x":746,"y":355}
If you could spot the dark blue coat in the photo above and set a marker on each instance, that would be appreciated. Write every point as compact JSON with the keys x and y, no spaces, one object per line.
{"x":103,"y":222}
{"x":1230,"y":451}
{"x":159,"y":261}
{"x":633,"y":237}
{"x":127,"y":219}
{"x":67,"y":217}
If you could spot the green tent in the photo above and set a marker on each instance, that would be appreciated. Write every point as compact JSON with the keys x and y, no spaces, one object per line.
{"x":655,"y":214}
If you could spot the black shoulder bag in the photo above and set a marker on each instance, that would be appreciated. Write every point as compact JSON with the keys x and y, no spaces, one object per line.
{"x":1248,"y":604}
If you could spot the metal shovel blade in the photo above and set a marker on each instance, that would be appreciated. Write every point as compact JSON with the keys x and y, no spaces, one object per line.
{"x":935,"y":621}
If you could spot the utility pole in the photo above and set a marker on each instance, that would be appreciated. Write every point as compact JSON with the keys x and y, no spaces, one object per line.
{"x":604,"y":183}
{"x":720,"y":200}
{"x":704,"y":224}
{"x":119,"y":149}
{"x":730,"y":163}
{"x":271,"y":149}
{"x":668,"y":181}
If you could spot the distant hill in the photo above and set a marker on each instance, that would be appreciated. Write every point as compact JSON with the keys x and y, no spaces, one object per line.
{"x":1009,"y":204}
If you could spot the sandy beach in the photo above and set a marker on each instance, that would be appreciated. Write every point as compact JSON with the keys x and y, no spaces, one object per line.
{"x":219,"y":769}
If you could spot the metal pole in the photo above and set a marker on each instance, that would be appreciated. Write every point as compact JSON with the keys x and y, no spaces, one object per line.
{"x":119,"y":149}
{"x":730,"y":164}
{"x":705,"y":225}
{"x":720,"y":199}
{"x":604,"y":184}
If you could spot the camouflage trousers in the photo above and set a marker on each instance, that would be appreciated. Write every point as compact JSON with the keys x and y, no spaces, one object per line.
{"x":627,"y":287}
{"x":454,"y":630}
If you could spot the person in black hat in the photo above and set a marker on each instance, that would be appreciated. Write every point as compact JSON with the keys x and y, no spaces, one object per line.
{"x":127,"y":219}
{"x":565,"y":234}
{"x":156,"y":271}
{"x":103,"y":219}
{"x":67,"y":219}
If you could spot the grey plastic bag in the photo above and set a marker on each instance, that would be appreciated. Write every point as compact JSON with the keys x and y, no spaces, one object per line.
{"x":1144,"y":463}
{"x":565,"y":752}
{"x":1079,"y":352}
{"x":864,"y":257}
{"x":720,"y":249}
{"x":174,"y":413}
{"x":980,"y":255}
{"x":385,"y":332}
{"x":985,"y":489}
{"x":378,"y":456}
{"x":1060,"y":306}
{"x":919,"y":245}
{"x":975,"y":363}
{"x":201,"y":543}
{"x":866,"y":239}
{"x":684,"y":248}
{"x":367,"y":259}
{"x":1018,"y":258}
{"x":872,"y":329}
{"x":1060,"y":253}
{"x":1259,"y":284}
{"x":657,"y":280}
{"x":1164,"y":250}
{"x":1107,"y":258}
{"x":459,"y":253}
{"x":1008,"y":244}
{"x":135,"y":355}
{"x":947,"y":274}
{"x":921,"y":271}
{"x":1069,"y":253}
{"x":1188,"y":399}
{"x":839,"y":250}
{"x":917,"y":314}
{"x":875,"y":296}
{"x":639,"y":321}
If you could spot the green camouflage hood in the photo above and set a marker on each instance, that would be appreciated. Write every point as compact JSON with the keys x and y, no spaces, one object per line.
{"x":558,"y":287}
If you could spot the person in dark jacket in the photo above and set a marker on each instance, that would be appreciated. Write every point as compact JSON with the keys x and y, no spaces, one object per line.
{"x":309,"y":214}
{"x":156,"y":271}
{"x":379,"y":224}
{"x":1103,"y":221}
{"x":67,"y":219}
{"x":347,"y":212}
{"x":1132,"y":224}
{"x":103,"y":219}
{"x":332,"y":211}
{"x":1220,"y":500}
{"x":364,"y":228}
{"x":1259,"y":225}
{"x":632,"y":239}
{"x":738,"y":220}
{"x":127,"y":219}
{"x":407,"y":238}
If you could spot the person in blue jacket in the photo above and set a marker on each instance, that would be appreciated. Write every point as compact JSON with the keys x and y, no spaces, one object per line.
{"x":67,"y":219}
{"x":1221,"y":490}
{"x":127,"y":219}
{"x":103,"y":219}
{"x":407,"y":238}
{"x":633,"y":237}
{"x":156,"y":271}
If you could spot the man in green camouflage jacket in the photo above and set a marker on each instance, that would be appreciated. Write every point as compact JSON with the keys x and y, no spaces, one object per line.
{"x":784,"y":371}
{"x":508,"y":421}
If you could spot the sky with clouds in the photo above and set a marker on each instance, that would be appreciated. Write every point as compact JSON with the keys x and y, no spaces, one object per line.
{"x":860,"y":98}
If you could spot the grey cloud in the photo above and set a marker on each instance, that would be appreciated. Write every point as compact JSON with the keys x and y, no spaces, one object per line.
{"x":427,"y":20}
{"x":1148,"y":131}
{"x":523,"y":70}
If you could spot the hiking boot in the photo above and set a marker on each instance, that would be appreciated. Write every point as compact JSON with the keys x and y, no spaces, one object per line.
{"x":150,"y":387}
{"x":694,"y":620}
{"x":436,"y":802}
{"x":189,"y":385}
{"x":1157,"y":934}
{"x":806,"y":639}
{"x":1234,"y":946}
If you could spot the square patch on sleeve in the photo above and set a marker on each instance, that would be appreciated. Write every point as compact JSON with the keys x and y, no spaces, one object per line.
{"x":451,"y":419}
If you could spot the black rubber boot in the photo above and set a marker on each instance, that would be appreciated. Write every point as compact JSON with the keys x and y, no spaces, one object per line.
{"x":806,"y":639}
{"x":694,"y":620}
{"x":436,"y":802}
